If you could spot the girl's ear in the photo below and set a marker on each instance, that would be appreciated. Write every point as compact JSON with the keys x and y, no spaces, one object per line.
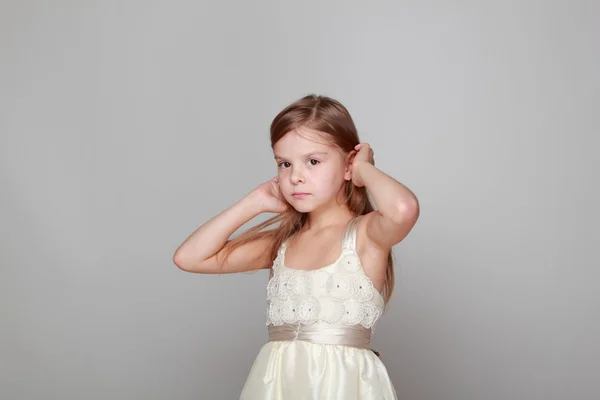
{"x":349,"y":163}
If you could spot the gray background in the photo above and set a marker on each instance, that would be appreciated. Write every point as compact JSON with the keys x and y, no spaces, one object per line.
{"x":125,"y":125}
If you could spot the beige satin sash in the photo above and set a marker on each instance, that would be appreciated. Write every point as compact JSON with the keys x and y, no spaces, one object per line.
{"x":322,"y":333}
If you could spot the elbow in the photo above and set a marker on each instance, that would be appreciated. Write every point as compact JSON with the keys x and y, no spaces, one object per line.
{"x":189,"y":263}
{"x":406,"y":211}
{"x":178,"y":261}
{"x":182,"y":262}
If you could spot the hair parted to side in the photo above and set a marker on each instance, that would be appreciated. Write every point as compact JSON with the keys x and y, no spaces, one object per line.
{"x":329,"y":116}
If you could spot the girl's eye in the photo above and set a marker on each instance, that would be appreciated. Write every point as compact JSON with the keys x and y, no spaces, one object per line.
{"x":313,"y":162}
{"x":284,"y":164}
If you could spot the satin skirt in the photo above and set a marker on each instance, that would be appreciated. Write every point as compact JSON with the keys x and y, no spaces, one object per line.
{"x":303,"y":370}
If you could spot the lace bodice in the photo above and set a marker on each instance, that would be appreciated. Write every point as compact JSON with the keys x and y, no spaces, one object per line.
{"x":338,"y":293}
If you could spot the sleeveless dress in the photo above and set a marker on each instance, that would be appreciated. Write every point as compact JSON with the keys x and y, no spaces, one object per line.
{"x":320,"y":324}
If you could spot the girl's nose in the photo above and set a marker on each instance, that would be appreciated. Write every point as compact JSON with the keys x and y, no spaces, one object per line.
{"x":297,"y":176}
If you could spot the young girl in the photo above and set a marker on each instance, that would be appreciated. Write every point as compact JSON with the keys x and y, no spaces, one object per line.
{"x":329,"y":255}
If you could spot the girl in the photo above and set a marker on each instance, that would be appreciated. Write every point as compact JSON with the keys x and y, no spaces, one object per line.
{"x":329,"y":254}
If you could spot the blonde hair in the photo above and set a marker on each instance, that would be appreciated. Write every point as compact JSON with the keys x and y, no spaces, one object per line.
{"x":326,"y":115}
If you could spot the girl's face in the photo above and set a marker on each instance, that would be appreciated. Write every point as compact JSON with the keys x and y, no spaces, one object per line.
{"x":311,"y":171}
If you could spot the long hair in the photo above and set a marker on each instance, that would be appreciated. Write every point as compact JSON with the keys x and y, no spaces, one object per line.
{"x":330,"y":117}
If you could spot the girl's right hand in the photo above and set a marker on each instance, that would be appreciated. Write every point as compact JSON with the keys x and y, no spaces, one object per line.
{"x":269,"y":197}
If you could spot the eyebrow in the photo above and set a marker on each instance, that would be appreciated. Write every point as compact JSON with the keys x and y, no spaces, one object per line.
{"x":313,"y":153}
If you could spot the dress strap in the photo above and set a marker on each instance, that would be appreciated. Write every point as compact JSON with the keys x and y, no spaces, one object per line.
{"x":283,"y":246}
{"x":280,"y":257}
{"x":349,"y":239}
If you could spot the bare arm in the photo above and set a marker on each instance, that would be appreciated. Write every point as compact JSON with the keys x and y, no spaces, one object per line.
{"x":199,"y":253}
{"x":202,"y":251}
{"x":397,"y":206}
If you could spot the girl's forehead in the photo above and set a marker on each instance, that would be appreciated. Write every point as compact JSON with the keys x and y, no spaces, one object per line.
{"x":303,"y":140}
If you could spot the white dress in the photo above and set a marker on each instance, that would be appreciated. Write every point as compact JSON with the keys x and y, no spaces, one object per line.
{"x":320,"y":324}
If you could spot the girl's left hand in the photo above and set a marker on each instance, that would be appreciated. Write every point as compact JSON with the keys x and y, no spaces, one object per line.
{"x":365,"y":154}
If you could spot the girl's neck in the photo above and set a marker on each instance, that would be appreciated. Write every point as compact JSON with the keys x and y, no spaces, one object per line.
{"x":318,"y":220}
